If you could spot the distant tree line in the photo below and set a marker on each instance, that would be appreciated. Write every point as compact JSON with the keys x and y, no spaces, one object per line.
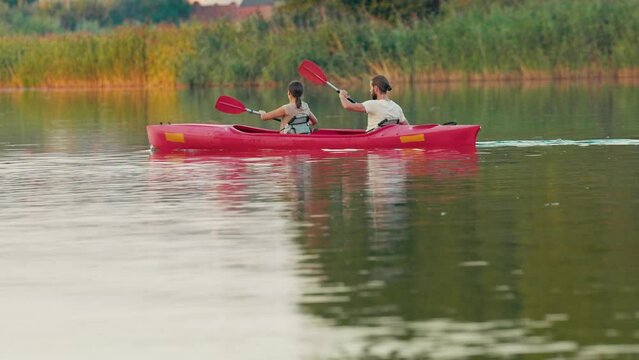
{"x":396,"y":11}
{"x":389,"y":10}
{"x":32,"y":16}
{"x":466,"y":39}
{"x":13,"y":3}
{"x":54,"y":16}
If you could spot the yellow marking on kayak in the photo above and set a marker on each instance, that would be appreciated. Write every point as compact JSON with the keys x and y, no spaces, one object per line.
{"x":174,"y":137}
{"x":411,"y":138}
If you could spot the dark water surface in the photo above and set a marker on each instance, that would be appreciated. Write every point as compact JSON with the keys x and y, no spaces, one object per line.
{"x":527,"y":248}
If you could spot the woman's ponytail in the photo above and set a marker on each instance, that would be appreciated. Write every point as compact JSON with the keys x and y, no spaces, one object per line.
{"x":297,"y":90}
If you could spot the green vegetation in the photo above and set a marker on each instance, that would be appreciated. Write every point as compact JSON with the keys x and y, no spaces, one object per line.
{"x":485,"y":40}
{"x":392,"y":11}
{"x":30,"y":17}
{"x":123,"y":57}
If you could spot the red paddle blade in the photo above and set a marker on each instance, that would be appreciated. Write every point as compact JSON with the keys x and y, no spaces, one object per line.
{"x":312,"y":72}
{"x":229,"y":105}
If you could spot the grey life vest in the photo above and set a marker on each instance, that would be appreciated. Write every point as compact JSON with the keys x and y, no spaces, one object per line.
{"x":299,"y":124}
{"x":385,"y":122}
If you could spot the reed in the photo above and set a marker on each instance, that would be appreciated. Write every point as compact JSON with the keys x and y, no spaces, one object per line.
{"x":530,"y":41}
{"x":536,"y":40}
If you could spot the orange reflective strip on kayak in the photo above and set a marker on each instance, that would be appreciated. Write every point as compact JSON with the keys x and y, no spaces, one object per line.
{"x":174,"y":137}
{"x":411,"y":138}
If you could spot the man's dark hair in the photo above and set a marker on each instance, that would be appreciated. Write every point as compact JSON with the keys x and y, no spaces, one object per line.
{"x":382,"y":83}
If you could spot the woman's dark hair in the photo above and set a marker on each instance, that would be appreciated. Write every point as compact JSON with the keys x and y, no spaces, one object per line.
{"x":382,"y":83}
{"x":296,"y":89}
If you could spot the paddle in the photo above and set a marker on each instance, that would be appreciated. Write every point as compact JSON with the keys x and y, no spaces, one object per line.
{"x":229,"y":105}
{"x":313,"y":73}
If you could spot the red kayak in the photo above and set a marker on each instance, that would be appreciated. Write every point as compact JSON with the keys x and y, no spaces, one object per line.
{"x":241,"y":137}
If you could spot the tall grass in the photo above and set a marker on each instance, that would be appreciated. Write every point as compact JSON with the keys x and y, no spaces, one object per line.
{"x":128,"y":56}
{"x":535,"y":39}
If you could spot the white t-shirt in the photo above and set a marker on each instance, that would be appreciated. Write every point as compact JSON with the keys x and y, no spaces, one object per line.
{"x":379,"y":110}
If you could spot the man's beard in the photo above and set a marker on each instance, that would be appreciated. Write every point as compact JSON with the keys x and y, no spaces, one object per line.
{"x":373,"y":96}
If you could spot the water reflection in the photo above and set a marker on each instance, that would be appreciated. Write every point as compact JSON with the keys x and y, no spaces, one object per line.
{"x":129,"y":259}
{"x":332,"y":191}
{"x":523,"y":250}
{"x":414,"y":253}
{"x":106,"y":120}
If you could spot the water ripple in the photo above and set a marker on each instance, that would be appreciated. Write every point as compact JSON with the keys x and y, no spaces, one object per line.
{"x":557,"y":142}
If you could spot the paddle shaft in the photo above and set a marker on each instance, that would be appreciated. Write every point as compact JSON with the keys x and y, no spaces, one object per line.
{"x":314,"y":73}
{"x":230,"y":105}
{"x":337,"y":90}
{"x":258,"y":113}
{"x":252,"y":111}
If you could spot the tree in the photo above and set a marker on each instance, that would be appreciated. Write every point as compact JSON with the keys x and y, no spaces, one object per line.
{"x":390,"y":10}
{"x":150,"y":11}
{"x":19,"y":3}
{"x":396,"y":10}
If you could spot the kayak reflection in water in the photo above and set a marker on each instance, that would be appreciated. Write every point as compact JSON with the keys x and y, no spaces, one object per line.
{"x":381,"y":109}
{"x":297,"y":117}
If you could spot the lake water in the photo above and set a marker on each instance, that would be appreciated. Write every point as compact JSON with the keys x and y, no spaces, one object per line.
{"x":527,"y":248}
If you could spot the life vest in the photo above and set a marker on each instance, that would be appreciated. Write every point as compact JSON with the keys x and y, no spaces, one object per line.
{"x":299,"y":124}
{"x":385,"y":122}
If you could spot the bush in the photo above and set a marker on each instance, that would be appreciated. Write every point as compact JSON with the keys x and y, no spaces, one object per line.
{"x":522,"y":39}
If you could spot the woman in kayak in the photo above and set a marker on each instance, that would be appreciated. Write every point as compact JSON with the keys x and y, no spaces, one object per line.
{"x":380,"y":109}
{"x":296,"y":115}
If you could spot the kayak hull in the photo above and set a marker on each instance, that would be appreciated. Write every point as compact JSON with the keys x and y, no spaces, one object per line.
{"x":241,"y":137}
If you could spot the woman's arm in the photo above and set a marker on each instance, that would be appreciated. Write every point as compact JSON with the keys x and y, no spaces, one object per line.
{"x":277,"y":113}
{"x":313,"y":118}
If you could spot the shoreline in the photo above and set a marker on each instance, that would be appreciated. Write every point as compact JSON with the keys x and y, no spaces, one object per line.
{"x":537,"y":41}
{"x":628,"y":76}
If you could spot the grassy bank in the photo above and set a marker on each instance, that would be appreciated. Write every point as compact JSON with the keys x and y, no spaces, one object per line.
{"x":123,"y":57}
{"x":534,"y":40}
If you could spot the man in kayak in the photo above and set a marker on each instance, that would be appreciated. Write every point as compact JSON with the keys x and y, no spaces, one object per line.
{"x":296,"y":116}
{"x":380,"y":108}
